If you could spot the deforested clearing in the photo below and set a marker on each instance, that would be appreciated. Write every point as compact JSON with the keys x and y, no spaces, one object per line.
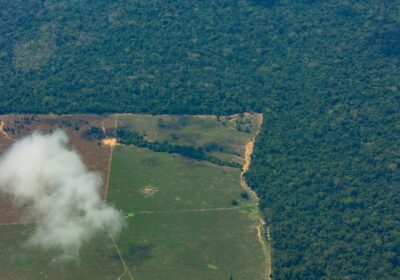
{"x":186,"y":212}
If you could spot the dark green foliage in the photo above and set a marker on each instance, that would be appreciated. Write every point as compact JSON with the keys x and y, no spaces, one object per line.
{"x":146,"y":56}
{"x":93,"y":133}
{"x":134,"y":138}
{"x":234,"y":202}
{"x":389,"y":41}
{"x":127,"y":137}
{"x":244,"y":195}
{"x":211,"y":147}
{"x":174,"y":137}
{"x":329,"y":188}
{"x":265,"y":3}
{"x":325,"y":73}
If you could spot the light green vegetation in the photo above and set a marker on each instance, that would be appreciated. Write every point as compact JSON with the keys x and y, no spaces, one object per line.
{"x":181,"y":223}
{"x":222,"y":137}
{"x":98,"y":258}
{"x":147,"y":181}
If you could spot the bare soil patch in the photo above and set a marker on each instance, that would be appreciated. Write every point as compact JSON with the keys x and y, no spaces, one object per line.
{"x":112,"y":142}
{"x":149,"y":190}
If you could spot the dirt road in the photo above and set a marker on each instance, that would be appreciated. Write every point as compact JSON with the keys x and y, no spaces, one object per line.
{"x":261,"y":228}
{"x":6,"y":135}
{"x":111,"y":142}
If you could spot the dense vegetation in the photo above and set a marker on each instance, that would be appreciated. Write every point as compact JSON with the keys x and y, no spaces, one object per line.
{"x":324,"y":72}
{"x":127,"y":137}
{"x":93,"y":133}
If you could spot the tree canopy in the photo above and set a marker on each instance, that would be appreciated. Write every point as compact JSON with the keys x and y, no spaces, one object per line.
{"x":324,"y":73}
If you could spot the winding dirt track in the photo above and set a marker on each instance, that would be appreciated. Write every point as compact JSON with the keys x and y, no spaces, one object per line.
{"x":249,"y":147}
{"x":8,"y":137}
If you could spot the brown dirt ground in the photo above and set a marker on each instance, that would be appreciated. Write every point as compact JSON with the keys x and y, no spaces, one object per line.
{"x":94,"y":153}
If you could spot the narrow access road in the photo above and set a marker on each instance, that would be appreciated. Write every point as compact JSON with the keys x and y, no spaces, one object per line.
{"x":249,"y":148}
{"x":6,"y":135}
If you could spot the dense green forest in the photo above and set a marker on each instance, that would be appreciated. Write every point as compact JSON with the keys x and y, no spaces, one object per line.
{"x":324,"y":73}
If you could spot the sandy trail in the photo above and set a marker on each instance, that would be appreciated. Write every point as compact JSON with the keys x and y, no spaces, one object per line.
{"x":249,"y":148}
{"x":103,"y":127}
{"x":126,"y":269}
{"x":8,"y":137}
{"x":109,"y":141}
{"x":112,"y":142}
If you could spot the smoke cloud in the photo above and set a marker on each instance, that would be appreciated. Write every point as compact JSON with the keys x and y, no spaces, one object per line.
{"x":63,"y":195}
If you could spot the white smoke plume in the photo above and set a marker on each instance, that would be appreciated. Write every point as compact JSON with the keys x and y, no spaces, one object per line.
{"x":63,"y":195}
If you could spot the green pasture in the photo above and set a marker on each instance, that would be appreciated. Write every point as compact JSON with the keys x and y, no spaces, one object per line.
{"x":98,"y":258}
{"x":172,"y":182}
{"x":187,"y":228}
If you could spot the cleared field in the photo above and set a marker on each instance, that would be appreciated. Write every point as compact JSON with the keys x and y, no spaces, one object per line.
{"x":181,"y":223}
{"x":95,"y":155}
{"x":98,"y":259}
{"x":186,"y":219}
{"x":142,"y":180}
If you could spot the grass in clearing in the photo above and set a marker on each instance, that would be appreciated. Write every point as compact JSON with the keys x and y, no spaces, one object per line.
{"x":222,"y":137}
{"x":181,"y":222}
{"x":98,"y":259}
